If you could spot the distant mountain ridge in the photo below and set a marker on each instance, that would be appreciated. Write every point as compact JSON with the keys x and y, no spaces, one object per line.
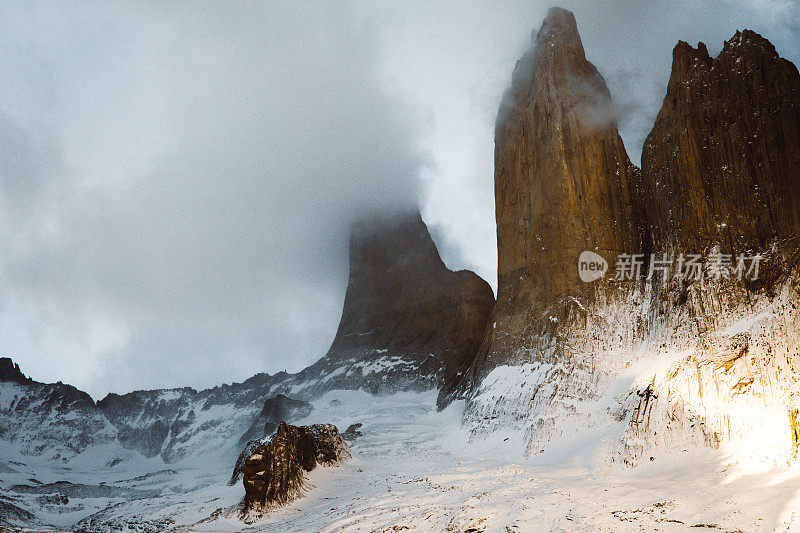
{"x":408,"y":323}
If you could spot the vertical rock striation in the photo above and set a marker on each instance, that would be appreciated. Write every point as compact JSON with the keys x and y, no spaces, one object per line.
{"x":720,"y":174}
{"x":563,"y":184}
{"x":722,"y":163}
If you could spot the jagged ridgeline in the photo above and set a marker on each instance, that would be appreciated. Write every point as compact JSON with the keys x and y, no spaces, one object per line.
{"x":720,"y":177}
{"x":408,"y":323}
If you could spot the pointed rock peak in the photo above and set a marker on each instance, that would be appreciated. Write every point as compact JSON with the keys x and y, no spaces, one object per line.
{"x":403,"y":301}
{"x":559,"y":31}
{"x":748,"y":40}
{"x":554,"y":72}
{"x":376,"y":242}
{"x":9,"y":371}
{"x":372,"y":226}
{"x":685,"y":57}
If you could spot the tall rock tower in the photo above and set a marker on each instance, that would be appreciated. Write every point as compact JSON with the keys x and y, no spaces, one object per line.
{"x":722,"y":163}
{"x":720,"y":179}
{"x":563,"y":185}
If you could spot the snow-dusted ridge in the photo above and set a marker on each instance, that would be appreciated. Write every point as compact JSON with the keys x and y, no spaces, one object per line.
{"x":415,"y":468}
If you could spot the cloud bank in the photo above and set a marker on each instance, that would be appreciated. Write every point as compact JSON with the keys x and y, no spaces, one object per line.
{"x":178,"y":182}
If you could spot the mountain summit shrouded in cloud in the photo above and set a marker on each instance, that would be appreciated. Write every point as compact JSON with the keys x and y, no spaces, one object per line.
{"x":638,"y":369}
{"x":177,"y":181}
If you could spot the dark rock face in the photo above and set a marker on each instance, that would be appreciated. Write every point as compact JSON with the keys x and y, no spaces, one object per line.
{"x":274,"y":474}
{"x":722,"y":163}
{"x":563,"y":184}
{"x":9,"y":371}
{"x":408,"y":321}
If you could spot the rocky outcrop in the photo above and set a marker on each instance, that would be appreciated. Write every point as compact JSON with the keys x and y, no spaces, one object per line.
{"x":275,"y":473}
{"x":408,"y":321}
{"x":353,"y":432}
{"x":277,"y":409}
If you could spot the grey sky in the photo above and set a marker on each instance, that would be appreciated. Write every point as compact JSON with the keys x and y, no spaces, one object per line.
{"x":176,"y":179}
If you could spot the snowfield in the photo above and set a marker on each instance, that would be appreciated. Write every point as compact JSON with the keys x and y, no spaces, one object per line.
{"x":417,"y":469}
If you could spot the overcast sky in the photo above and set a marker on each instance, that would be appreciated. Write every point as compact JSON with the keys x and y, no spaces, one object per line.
{"x":177,"y":179}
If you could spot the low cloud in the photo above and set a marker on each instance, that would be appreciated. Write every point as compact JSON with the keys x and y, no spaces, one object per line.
{"x":176,"y":200}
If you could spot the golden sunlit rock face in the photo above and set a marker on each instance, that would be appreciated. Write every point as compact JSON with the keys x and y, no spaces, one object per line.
{"x":720,"y":175}
{"x":563,"y":184}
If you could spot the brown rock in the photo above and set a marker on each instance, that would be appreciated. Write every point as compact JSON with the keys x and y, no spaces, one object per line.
{"x":275,"y":473}
{"x":721,"y":169}
{"x":563,"y":184}
{"x":403,"y":303}
{"x":722,"y":163}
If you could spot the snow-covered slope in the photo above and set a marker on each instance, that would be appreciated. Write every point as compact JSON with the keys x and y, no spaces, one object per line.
{"x":414,"y":469}
{"x":727,"y":378}
{"x":54,"y":420}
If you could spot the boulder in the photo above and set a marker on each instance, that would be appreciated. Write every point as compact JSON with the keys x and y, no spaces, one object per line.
{"x":275,"y":473}
{"x":352,"y":432}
